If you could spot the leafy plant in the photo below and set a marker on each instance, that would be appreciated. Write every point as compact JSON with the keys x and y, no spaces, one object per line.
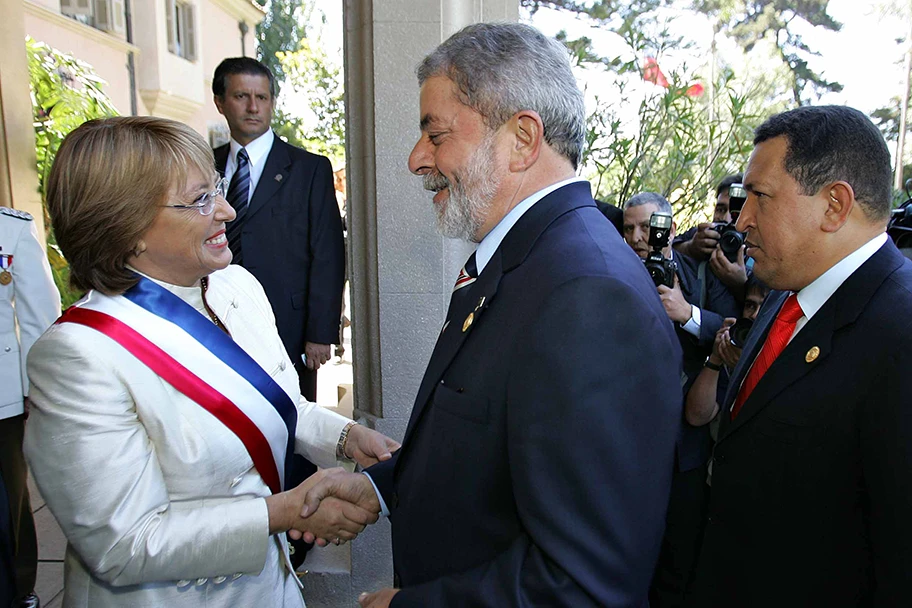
{"x":65,"y":92}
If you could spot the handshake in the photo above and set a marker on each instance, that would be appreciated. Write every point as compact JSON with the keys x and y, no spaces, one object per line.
{"x":332,"y":505}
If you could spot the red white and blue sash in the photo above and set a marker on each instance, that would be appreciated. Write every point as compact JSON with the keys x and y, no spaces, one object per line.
{"x":201,"y":361}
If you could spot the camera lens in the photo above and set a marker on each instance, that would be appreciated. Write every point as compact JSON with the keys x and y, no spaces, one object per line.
{"x":731,"y":242}
{"x":738,"y":332}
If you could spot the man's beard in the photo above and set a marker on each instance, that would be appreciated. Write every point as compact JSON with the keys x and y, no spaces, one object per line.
{"x":471,"y":193}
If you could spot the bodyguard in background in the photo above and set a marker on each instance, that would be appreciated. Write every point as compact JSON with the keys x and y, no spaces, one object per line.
{"x":812,"y":470}
{"x":288,"y":232}
{"x":30,"y":301}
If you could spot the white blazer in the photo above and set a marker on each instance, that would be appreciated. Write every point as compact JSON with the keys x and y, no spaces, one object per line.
{"x":159,"y":501}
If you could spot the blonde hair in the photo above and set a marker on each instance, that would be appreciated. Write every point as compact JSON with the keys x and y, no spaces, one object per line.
{"x":105,"y":189}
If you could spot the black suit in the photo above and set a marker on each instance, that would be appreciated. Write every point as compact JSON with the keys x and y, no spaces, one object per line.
{"x":537,"y":461}
{"x":292,"y":243}
{"x":811,"y":500}
{"x":686,"y":508}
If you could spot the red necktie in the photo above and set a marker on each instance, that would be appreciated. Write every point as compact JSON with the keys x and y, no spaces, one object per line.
{"x":778,"y":336}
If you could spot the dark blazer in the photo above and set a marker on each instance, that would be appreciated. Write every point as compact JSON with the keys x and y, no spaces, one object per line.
{"x":292,"y":242}
{"x":695,"y":443}
{"x":537,"y":461}
{"x":811,"y":501}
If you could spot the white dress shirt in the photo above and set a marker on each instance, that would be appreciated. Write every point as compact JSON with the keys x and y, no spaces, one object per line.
{"x":257,"y":152}
{"x":814,"y":296}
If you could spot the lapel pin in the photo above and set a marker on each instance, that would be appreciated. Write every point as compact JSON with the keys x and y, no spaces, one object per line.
{"x":481,"y":302}
{"x":468,"y":322}
{"x":278,"y":177}
{"x":812,"y":354}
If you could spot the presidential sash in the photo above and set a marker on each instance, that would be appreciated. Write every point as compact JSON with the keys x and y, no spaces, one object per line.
{"x":201,"y":361}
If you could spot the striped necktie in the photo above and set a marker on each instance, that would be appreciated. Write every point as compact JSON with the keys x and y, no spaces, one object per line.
{"x":467,"y":275}
{"x":238,"y":194}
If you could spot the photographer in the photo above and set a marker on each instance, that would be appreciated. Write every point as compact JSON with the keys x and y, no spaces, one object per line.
{"x":700,"y":241}
{"x":701,"y":404}
{"x":697,"y":302}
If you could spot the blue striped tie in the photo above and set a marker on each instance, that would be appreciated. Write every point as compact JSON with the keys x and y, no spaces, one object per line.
{"x":237,"y":197}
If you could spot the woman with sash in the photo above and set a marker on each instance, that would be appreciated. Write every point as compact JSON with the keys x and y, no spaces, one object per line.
{"x":164,"y":408}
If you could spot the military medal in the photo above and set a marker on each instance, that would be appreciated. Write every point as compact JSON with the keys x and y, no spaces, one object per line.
{"x":6,"y":261}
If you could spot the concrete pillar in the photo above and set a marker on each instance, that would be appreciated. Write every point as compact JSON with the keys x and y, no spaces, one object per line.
{"x":401,"y":270}
{"x":18,"y":172}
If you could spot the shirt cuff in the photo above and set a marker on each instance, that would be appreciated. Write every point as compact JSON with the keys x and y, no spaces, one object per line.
{"x":693,"y":324}
{"x":383,"y":510}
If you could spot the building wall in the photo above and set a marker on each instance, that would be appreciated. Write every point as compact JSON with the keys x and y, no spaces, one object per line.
{"x":105,"y":53}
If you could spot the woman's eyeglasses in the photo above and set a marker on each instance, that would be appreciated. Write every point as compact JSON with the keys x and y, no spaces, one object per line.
{"x":205,"y":203}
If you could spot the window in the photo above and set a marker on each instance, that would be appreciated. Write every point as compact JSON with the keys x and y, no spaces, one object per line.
{"x":181,"y":29}
{"x":105,"y":15}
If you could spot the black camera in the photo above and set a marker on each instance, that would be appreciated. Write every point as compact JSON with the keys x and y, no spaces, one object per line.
{"x":737,"y":333}
{"x":661,"y":270}
{"x":730,"y":240}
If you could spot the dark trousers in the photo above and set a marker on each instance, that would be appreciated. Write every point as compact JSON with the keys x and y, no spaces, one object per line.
{"x":307,"y":378}
{"x":301,"y":468}
{"x":15,"y":478}
{"x":674,"y":573}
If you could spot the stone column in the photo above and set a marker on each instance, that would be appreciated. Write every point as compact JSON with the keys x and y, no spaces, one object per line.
{"x":401,"y":270}
{"x":18,"y":172}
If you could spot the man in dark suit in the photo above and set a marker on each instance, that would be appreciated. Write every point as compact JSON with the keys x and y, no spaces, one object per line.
{"x":537,"y":461}
{"x":288,"y":232}
{"x":697,"y":304}
{"x":812,"y":472}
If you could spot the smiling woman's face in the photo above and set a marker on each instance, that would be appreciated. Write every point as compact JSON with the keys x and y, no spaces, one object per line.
{"x":182,"y":245}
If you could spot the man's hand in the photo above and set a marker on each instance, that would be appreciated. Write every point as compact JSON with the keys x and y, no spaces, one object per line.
{"x":368,"y":447}
{"x":316,"y":354}
{"x":377,"y":599}
{"x":732,"y":274}
{"x":676,"y":307}
{"x":723,"y":347}
{"x":354,"y":488}
{"x":336,"y":520}
{"x":701,"y":246}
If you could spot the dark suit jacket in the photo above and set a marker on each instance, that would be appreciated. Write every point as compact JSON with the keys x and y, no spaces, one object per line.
{"x":695,"y":443}
{"x":811,"y":501}
{"x":537,"y":462}
{"x":292,"y":242}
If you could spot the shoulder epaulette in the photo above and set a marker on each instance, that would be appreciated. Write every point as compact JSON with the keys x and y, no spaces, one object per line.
{"x":21,"y":215}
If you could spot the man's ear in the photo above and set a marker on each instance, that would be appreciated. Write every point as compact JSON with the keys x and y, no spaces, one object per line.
{"x":674,"y":230}
{"x":218,"y":104}
{"x":528,"y":137}
{"x":840,"y":199}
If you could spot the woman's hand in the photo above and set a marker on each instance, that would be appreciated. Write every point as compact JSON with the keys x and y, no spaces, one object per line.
{"x":335,"y":521}
{"x":368,"y":447}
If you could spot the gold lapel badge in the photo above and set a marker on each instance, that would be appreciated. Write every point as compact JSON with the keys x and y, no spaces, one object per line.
{"x":468,"y":322}
{"x":812,"y":354}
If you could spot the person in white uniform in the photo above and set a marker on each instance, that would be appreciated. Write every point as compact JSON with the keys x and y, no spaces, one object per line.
{"x":29,"y":303}
{"x":164,"y":406}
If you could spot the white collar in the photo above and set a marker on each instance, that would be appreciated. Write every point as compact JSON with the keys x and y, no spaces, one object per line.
{"x":256,"y":150}
{"x":492,"y":240}
{"x":814,"y":296}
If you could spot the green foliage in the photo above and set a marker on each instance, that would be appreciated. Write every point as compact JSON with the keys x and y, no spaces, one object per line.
{"x":66,"y":92}
{"x":751,"y":21}
{"x":282,"y":30}
{"x":313,"y":79}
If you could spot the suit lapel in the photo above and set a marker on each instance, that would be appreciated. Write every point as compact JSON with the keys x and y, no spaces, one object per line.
{"x":843,"y":308}
{"x":513,"y":250}
{"x":456,"y":330}
{"x":275,"y":174}
{"x":221,"y":158}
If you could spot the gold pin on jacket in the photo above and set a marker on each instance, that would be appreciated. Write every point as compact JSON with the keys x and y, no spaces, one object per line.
{"x":471,"y":318}
{"x":812,"y":354}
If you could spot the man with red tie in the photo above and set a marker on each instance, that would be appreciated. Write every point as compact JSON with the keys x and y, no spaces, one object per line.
{"x":811,"y":500}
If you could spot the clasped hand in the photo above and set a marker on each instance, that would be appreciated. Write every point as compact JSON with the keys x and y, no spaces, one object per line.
{"x":320,"y":511}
